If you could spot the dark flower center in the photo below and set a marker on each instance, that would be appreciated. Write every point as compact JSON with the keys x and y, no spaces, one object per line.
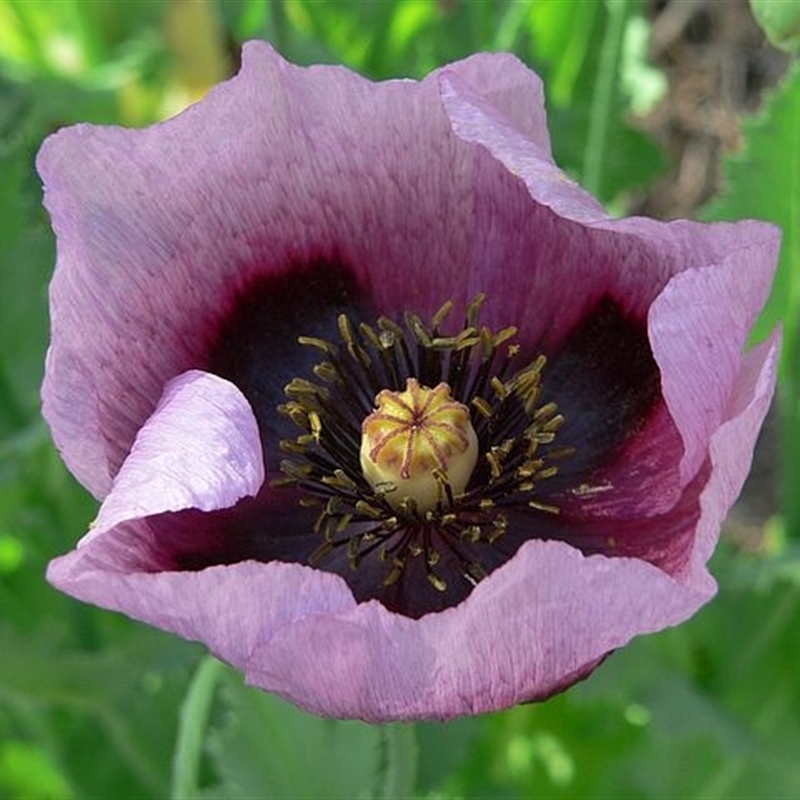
{"x":423,"y":483}
{"x":595,"y":397}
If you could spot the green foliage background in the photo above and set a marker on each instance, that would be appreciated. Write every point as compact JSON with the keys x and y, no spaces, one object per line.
{"x":93,"y":705}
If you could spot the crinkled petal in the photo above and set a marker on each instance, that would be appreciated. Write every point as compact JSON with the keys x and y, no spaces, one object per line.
{"x":702,"y":284}
{"x":231,"y":609}
{"x":505,"y":84}
{"x":629,"y":259}
{"x":161,"y":229}
{"x":568,"y":612}
{"x":731,"y":450}
{"x":475,"y":118}
{"x":200,"y":449}
{"x":698,"y":328}
{"x":298,"y":632}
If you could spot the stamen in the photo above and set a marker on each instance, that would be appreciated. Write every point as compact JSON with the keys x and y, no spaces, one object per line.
{"x":399,"y":471}
{"x":442,"y":314}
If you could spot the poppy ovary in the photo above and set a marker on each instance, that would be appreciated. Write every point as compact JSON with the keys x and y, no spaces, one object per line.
{"x":418,"y":445}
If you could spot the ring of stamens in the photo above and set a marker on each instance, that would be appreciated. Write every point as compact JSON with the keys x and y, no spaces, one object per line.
{"x":514,"y":430}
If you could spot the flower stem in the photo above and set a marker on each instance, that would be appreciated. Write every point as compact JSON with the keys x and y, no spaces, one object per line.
{"x":603,"y":97}
{"x":401,"y":761}
{"x":789,"y":385}
{"x":192,"y":727}
{"x":789,"y":426}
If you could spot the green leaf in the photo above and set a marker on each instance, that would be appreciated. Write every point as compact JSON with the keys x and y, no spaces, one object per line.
{"x":562,"y":35}
{"x":590,"y":70}
{"x":266,"y":748}
{"x":26,"y":773}
{"x":120,"y":702}
{"x":763,"y":182}
{"x":780,"y":20}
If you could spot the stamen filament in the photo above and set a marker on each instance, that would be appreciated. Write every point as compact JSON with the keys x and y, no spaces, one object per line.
{"x":454,"y":512}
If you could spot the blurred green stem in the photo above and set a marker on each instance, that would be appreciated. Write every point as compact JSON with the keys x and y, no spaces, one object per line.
{"x":789,"y":427}
{"x":401,"y":761}
{"x":192,"y":728}
{"x":602,"y":109}
{"x":789,"y":386}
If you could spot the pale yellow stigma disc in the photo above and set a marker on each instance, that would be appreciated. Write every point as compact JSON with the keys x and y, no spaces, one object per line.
{"x":415,"y":442}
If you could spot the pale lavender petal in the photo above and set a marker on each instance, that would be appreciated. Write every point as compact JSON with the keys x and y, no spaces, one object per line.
{"x":200,"y":449}
{"x":503,"y":83}
{"x":549,"y":613}
{"x":698,"y":328}
{"x":160,"y":229}
{"x":476,"y":119}
{"x":642,"y":254}
{"x":698,"y":317}
{"x":231,"y":609}
{"x":731,"y":450}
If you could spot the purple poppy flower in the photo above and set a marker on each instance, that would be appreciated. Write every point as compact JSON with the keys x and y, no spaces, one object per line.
{"x":380,"y":405}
